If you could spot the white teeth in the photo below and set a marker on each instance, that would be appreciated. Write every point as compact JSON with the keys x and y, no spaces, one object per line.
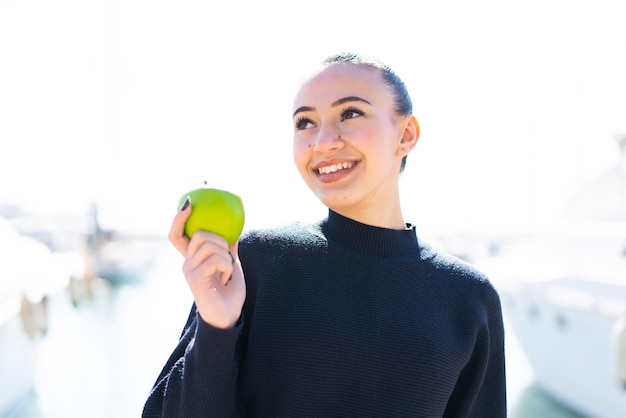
{"x":334,"y":167}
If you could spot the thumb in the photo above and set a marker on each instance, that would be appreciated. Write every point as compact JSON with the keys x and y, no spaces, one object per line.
{"x":176,"y":234}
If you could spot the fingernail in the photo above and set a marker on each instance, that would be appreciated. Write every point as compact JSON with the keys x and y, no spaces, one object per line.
{"x":185,"y":204}
{"x":232,"y":259}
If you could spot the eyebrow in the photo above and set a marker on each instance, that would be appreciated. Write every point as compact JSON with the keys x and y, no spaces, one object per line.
{"x":333,"y":104}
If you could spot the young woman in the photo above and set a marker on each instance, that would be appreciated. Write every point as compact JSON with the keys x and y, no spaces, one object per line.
{"x":350,"y":316}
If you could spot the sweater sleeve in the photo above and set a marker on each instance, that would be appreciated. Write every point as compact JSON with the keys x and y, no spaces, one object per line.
{"x":200,"y":377}
{"x":481,"y":389}
{"x":491,"y":394}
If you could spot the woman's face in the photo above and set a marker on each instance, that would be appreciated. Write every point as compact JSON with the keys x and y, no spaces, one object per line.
{"x":348,"y":142}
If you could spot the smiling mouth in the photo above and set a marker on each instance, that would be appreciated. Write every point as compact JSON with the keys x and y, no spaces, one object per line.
{"x":333,"y":168}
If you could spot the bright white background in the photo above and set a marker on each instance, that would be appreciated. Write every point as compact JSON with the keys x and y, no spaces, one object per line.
{"x":132,"y":103}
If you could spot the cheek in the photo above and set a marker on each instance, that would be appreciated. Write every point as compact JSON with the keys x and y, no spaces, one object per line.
{"x":300,"y":154}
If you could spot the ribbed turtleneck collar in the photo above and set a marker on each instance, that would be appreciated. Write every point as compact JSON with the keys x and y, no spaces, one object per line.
{"x":370,"y":240}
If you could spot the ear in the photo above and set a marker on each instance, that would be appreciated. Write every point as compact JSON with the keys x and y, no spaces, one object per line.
{"x":410,"y":135}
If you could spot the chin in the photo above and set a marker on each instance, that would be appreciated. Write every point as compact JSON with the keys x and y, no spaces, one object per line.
{"x":336,"y":203}
{"x":335,"y":198}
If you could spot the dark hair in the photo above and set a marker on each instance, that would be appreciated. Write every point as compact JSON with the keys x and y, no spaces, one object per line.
{"x":403,"y":103}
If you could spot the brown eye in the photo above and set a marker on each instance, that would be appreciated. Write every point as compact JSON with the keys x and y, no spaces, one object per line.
{"x":304,"y":123}
{"x":351,"y":113}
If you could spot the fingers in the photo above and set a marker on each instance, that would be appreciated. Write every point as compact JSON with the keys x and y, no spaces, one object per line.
{"x":204,"y":238}
{"x":234,"y":251}
{"x":177,"y":231}
{"x":203,"y":270}
{"x":234,"y":254}
{"x":208,"y":258}
{"x":215,"y":277}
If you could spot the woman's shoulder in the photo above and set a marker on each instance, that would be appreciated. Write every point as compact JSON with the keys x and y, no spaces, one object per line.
{"x":283,"y":235}
{"x":442,"y":260}
{"x":465,"y":284}
{"x":453,"y":268}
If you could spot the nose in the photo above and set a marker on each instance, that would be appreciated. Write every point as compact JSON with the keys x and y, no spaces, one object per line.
{"x":328,"y":139}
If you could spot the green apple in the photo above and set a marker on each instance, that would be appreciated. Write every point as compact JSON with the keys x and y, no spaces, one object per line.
{"x":214,"y":210}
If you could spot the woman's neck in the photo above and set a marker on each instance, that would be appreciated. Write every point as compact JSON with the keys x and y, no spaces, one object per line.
{"x":390,"y":217}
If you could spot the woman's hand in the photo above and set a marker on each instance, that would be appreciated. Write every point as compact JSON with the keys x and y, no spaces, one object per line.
{"x":213,"y":273}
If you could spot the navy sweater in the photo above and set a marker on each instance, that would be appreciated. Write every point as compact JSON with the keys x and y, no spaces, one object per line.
{"x":343,"y":319}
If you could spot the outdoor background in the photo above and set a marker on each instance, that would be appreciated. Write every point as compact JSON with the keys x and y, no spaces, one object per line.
{"x":132,"y":103}
{"x":129,"y":104}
